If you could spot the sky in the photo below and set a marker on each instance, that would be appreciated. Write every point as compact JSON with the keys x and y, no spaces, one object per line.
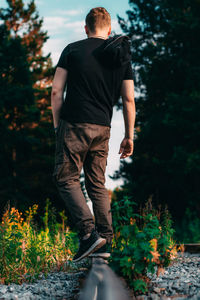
{"x":64,"y":21}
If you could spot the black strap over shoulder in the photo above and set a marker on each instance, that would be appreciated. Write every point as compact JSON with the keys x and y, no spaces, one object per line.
{"x":115,"y":51}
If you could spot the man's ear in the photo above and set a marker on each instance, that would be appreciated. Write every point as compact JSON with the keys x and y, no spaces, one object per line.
{"x":109,"y":31}
{"x":86,"y":29}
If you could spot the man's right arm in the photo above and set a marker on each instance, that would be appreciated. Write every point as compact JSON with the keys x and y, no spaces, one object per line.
{"x":127,"y":93}
{"x":58,"y":87}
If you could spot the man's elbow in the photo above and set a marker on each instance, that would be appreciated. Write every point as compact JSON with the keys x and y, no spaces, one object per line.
{"x":56,"y":92}
{"x":129,"y":99}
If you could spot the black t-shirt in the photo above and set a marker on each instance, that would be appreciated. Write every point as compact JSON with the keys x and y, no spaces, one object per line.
{"x":92,"y":88}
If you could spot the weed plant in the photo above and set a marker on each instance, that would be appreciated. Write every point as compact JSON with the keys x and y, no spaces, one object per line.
{"x":27,"y":251}
{"x":142,"y":242}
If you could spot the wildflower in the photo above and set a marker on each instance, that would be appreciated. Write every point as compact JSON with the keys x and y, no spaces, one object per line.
{"x":154,"y":244}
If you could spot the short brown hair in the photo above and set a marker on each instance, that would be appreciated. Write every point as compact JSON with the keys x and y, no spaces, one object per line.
{"x":97,"y":17}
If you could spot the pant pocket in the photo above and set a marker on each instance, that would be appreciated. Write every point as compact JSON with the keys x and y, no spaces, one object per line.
{"x":59,"y":151}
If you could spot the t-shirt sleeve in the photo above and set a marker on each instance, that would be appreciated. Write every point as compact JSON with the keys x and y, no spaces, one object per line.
{"x":63,"y":61}
{"x":128,"y":74}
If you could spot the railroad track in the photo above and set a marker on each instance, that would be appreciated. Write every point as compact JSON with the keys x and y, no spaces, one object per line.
{"x":103,"y":284}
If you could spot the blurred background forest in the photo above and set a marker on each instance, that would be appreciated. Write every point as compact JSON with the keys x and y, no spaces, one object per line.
{"x":165,"y":166}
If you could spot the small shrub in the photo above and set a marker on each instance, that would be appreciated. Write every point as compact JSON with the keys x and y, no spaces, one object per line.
{"x":25,"y":251}
{"x":142,"y":242}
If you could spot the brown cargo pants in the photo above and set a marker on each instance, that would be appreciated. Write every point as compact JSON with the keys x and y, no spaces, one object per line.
{"x":83,"y":145}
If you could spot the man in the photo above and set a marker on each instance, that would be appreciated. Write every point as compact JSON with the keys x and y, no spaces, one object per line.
{"x":95,"y":73}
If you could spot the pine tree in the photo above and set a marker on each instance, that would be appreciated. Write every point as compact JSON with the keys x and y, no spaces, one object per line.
{"x":165,"y":52}
{"x":27,"y":119}
{"x":16,"y":87}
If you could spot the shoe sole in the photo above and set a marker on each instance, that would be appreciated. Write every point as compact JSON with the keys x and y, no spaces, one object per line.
{"x":98,"y":244}
{"x":102,"y":255}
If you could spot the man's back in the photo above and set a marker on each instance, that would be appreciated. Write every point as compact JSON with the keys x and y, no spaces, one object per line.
{"x":92,"y":86}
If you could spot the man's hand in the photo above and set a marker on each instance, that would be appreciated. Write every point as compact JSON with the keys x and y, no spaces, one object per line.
{"x":126,"y":148}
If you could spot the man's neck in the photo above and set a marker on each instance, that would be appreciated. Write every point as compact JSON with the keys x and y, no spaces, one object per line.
{"x":96,"y":35}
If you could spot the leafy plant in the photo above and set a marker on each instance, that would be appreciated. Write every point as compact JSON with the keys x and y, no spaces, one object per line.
{"x":142,"y":242}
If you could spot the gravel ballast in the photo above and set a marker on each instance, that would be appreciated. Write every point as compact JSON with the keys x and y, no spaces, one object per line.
{"x":181,"y":280}
{"x":60,"y":285}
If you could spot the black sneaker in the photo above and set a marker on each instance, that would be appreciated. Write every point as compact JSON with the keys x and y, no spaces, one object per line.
{"x":89,"y":245}
{"x":103,"y":252}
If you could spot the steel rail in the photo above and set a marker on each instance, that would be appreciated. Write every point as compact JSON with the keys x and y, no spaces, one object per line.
{"x":103,"y":284}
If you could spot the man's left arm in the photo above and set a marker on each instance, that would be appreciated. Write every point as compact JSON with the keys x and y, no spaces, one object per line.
{"x":58,"y":88}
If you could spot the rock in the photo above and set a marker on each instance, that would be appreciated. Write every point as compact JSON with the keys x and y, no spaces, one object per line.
{"x":58,"y":286}
{"x":154,"y":297}
{"x":10,"y":289}
{"x":10,"y":296}
{"x":60,"y":293}
{"x":163,"y":285}
{"x":26,"y":296}
{"x":141,"y":297}
{"x":156,"y":290}
{"x":196,"y":297}
{"x":3,"y":289}
{"x":176,"y":285}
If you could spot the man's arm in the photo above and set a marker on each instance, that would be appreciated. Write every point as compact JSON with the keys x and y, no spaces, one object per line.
{"x":57,"y":92}
{"x":127,"y":93}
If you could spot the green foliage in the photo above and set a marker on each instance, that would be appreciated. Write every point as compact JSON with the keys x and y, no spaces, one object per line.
{"x":142,"y":242}
{"x":165,"y":56}
{"x":188,"y":231}
{"x":27,"y":151}
{"x":17,"y":104}
{"x":25,"y":251}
